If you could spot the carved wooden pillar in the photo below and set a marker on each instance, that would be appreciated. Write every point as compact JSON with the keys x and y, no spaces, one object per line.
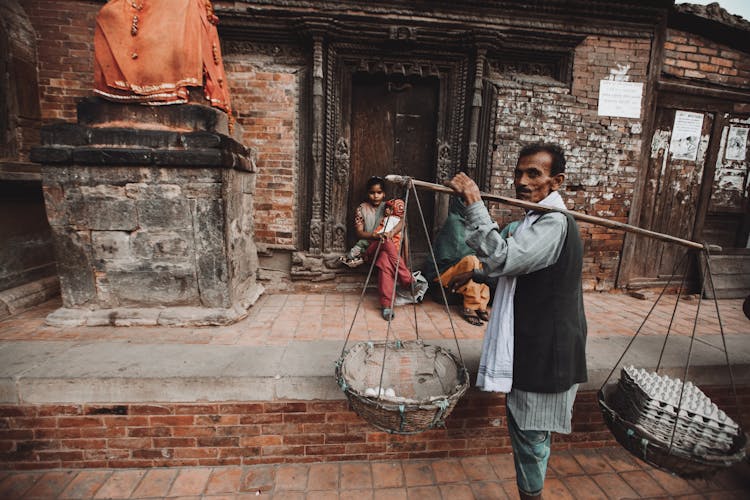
{"x":476,"y":109}
{"x":444,"y":162}
{"x":318,"y":116}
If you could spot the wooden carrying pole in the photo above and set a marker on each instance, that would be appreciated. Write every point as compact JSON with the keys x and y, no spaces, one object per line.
{"x":527,"y":205}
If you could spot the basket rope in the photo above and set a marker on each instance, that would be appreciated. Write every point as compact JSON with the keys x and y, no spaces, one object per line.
{"x":721,"y":326}
{"x":690,"y":347}
{"x":393,"y":291}
{"x":643,"y":323}
{"x":361,"y":297}
{"x":682,"y":261}
{"x":439,"y":409}
{"x":410,"y":188}
{"x":437,"y":271}
{"x":669,"y":455}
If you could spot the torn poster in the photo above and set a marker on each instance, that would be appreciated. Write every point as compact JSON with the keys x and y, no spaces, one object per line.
{"x":686,"y":135}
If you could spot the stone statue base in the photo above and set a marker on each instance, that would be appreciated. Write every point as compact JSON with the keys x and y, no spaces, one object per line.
{"x":151,"y":210}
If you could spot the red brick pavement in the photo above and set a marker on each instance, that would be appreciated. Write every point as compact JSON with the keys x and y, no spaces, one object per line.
{"x":282,"y":318}
{"x":605,"y":473}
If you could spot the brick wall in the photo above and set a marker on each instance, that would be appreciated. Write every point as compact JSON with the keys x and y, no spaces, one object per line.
{"x":602,"y":152}
{"x":265,"y":90}
{"x":693,"y":57}
{"x":149,"y":435}
{"x":267,"y":84}
{"x":65,"y":45}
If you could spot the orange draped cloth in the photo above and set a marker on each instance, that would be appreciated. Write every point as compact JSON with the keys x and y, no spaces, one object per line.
{"x":151,"y":51}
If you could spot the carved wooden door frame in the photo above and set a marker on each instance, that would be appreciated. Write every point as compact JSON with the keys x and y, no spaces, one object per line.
{"x":332,"y":139}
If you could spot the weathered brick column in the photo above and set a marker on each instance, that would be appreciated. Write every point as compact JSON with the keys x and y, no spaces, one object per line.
{"x":151,"y":209}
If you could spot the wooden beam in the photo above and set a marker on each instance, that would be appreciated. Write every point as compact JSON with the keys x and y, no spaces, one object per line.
{"x":527,"y":205}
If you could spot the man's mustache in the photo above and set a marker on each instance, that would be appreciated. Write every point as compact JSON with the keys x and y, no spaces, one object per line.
{"x":523,"y":191}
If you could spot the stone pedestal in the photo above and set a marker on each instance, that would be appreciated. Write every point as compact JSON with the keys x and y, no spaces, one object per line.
{"x":152,"y":215}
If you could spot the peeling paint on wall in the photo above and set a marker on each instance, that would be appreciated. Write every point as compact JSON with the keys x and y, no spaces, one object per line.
{"x":730,"y":184}
{"x":620,"y":73}
{"x":660,"y":141}
{"x":703,"y":148}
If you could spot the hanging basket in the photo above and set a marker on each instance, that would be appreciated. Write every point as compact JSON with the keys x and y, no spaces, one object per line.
{"x":419,"y":388}
{"x":670,"y":427}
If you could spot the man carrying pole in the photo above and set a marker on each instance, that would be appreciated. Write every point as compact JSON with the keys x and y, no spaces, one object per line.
{"x":534,"y":346}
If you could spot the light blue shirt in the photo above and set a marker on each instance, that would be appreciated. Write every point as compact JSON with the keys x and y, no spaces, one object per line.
{"x":503,"y":254}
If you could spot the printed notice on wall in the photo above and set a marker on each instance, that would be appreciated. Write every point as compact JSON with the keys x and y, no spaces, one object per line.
{"x":736,"y":144}
{"x":686,"y":135}
{"x":620,"y":98}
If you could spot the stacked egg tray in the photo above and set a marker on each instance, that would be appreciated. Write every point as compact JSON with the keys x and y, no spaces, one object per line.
{"x":671,"y":425}
{"x":676,"y":413}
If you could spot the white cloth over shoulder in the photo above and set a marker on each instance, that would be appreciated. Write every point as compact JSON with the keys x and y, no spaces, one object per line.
{"x":496,"y":362}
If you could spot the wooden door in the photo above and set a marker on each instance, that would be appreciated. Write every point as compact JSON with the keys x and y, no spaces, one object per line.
{"x":672,"y":192}
{"x":727,"y":221}
{"x":728,"y":217}
{"x":393,"y":131}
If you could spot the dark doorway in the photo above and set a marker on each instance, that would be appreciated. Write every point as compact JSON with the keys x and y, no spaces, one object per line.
{"x":393,"y":131}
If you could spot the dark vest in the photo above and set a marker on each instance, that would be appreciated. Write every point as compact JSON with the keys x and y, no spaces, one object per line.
{"x":550,"y":326}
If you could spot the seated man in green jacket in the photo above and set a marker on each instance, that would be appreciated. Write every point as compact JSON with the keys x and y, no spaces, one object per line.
{"x":453,"y":258}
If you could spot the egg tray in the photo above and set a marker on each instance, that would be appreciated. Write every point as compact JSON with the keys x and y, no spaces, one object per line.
{"x":644,"y":426}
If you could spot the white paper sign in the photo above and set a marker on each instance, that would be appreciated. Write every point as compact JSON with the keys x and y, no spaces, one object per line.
{"x":686,"y":135}
{"x":620,"y":98}
{"x":736,"y":144}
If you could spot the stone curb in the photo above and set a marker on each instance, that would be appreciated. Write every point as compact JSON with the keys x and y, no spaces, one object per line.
{"x":121,"y":372}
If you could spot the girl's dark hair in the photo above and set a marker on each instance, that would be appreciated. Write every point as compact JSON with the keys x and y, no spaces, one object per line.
{"x":555,"y":151}
{"x":374,"y":181}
